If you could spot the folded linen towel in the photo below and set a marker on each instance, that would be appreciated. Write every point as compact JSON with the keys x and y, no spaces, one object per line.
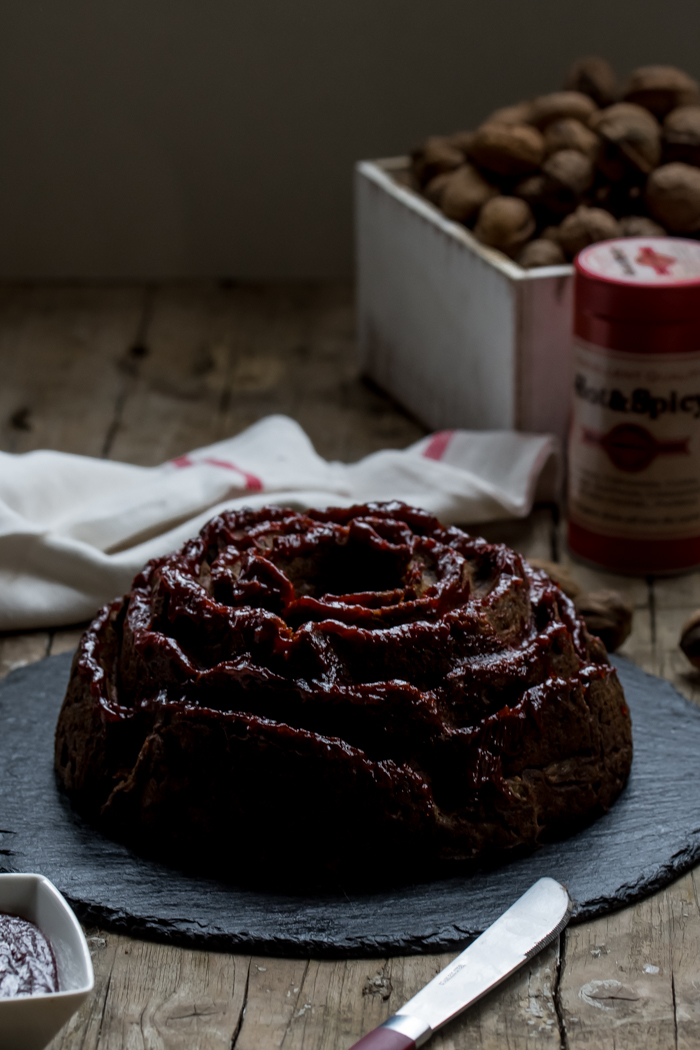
{"x":74,"y":530}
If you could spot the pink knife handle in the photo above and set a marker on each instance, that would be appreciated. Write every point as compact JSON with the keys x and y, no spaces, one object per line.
{"x":384,"y":1039}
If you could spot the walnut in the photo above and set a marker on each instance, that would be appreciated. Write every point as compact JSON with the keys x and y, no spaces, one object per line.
{"x":532,"y":189}
{"x":631,"y":140}
{"x":505,"y":223}
{"x":561,"y":574}
{"x":586,"y":226}
{"x":564,"y":178}
{"x":463,"y":193}
{"x":433,"y":189}
{"x":520,"y":113}
{"x":508,"y":150}
{"x":607,"y":615}
{"x":690,"y":639}
{"x":560,"y":104}
{"x":433,"y":157}
{"x":681,"y":135}
{"x":461,"y":140}
{"x":661,"y":89}
{"x":640,"y":226}
{"x":569,"y":174}
{"x":541,"y":252}
{"x":568,"y":133}
{"x":595,"y":77}
{"x":673,"y":197}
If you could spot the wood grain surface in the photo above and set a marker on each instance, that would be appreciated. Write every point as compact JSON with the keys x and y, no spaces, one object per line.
{"x":144,"y":374}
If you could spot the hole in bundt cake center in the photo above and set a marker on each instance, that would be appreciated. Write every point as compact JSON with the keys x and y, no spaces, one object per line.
{"x":348,"y":568}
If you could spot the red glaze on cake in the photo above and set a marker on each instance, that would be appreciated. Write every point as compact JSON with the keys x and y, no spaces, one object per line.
{"x":356,"y":693}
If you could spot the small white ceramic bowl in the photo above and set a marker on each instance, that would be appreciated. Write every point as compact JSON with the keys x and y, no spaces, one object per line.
{"x":29,"y":1022}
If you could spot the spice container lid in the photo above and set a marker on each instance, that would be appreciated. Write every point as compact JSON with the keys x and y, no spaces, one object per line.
{"x":639,"y":294}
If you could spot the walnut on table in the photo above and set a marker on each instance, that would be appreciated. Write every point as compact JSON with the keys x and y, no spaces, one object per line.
{"x":606,"y":613}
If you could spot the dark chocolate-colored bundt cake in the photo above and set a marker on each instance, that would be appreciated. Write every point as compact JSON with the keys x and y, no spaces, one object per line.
{"x":352,"y":693}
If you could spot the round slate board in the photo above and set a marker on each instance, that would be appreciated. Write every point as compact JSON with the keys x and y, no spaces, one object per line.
{"x":651,"y":835}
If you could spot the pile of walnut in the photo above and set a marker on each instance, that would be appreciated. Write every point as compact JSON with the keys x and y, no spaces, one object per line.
{"x":542,"y":179}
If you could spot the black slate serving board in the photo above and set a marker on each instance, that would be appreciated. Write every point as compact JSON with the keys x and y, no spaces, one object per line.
{"x":651,"y":835}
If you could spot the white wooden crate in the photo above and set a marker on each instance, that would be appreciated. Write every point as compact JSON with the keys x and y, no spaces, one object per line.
{"x":456,"y":332}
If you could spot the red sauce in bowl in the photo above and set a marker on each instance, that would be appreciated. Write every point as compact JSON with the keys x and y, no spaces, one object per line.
{"x":27,"y":961}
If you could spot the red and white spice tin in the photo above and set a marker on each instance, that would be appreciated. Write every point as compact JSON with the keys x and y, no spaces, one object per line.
{"x":634,"y":446}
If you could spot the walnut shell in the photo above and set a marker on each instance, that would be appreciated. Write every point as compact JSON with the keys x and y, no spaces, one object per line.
{"x":520,"y":113}
{"x":607,"y":615}
{"x":568,"y":133}
{"x":640,"y":226}
{"x":433,"y":157}
{"x":505,"y":223}
{"x":661,"y":89}
{"x":586,"y":226}
{"x":690,"y":639}
{"x":593,"y":76}
{"x":681,"y":135}
{"x":561,"y":104}
{"x":541,"y":252}
{"x":433,"y":189}
{"x":508,"y":150}
{"x":631,"y":140}
{"x":461,"y":140}
{"x":673,"y":197}
{"x":564,"y":178}
{"x":464,"y":192}
{"x":532,"y":189}
{"x":561,"y":574}
{"x":569,"y":170}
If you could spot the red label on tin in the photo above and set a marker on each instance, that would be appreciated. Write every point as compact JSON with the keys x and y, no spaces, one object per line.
{"x":634,"y":454}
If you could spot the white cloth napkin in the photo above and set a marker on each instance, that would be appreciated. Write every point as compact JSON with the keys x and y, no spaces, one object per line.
{"x":74,"y":531}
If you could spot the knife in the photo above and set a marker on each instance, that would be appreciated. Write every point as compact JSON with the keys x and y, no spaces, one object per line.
{"x":532,"y":922}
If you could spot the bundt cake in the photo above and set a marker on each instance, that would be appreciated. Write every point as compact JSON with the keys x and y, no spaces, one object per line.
{"x":348,"y":694}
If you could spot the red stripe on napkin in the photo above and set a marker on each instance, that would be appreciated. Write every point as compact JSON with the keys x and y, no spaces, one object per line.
{"x":252,"y":483}
{"x":436,"y":447}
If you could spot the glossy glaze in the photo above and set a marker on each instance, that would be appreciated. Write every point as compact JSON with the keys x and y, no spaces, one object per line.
{"x":364,"y":657}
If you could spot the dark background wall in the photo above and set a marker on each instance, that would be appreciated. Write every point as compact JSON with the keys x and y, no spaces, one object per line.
{"x":160,"y":138}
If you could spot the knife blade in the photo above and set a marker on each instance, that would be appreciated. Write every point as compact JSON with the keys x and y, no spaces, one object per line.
{"x":532,"y":922}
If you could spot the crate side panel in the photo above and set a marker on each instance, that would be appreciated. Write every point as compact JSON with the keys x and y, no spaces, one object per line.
{"x":436,"y":322}
{"x":545,"y":318}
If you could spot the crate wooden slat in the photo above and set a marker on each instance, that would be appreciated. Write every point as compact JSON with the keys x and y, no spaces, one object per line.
{"x":459,"y":334}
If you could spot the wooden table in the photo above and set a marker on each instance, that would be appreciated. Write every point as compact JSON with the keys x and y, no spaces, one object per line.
{"x":144,"y":373}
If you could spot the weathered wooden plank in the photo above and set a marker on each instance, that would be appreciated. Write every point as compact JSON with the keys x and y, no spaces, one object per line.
{"x":616,"y":986}
{"x":17,"y":650}
{"x":65,"y":640}
{"x":329,"y":1005}
{"x":218,"y":359}
{"x":684,"y":915}
{"x":85,"y":1028}
{"x":520,"y":1014}
{"x":275,"y":995}
{"x":152,"y":996}
{"x":64,"y":352}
